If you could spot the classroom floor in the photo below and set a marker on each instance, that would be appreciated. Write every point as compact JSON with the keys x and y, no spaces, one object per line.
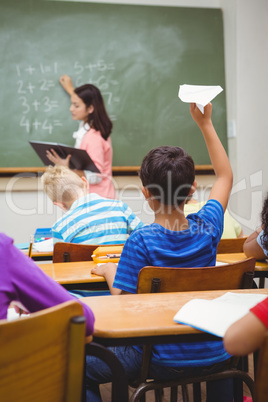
{"x":106,"y":390}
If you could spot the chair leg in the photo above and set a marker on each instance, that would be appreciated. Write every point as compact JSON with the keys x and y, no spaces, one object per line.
{"x":119,"y":377}
{"x":197,"y":392}
{"x":173,"y":394}
{"x":158,"y":393}
{"x":185,"y":395}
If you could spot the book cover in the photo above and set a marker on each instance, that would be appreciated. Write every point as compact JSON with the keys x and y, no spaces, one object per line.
{"x":79,"y":160}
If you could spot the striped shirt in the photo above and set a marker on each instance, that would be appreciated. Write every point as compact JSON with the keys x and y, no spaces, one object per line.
{"x":193,"y":247}
{"x":96,"y":220}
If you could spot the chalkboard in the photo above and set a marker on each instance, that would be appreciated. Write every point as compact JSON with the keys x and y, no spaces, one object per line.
{"x":137,"y":55}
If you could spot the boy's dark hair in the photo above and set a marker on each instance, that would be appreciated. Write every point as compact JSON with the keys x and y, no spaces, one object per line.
{"x":168,"y":173}
{"x":99,"y":118}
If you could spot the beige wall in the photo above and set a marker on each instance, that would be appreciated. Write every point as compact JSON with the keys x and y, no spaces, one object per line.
{"x":246,"y":65}
{"x":25,"y":207}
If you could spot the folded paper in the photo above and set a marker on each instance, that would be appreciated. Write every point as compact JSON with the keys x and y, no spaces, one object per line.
{"x":199,"y":94}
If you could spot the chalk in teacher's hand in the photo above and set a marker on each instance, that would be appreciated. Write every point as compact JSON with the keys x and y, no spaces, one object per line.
{"x":199,"y":94}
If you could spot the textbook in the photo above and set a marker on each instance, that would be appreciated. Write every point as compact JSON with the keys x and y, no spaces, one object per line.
{"x":215,"y":316}
{"x":80,"y":159}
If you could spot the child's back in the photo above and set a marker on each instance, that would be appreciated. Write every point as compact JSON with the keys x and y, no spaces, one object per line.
{"x":158,"y":246}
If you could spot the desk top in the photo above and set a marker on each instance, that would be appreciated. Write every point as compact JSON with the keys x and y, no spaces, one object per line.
{"x":145,"y":315}
{"x":234,"y":257}
{"x":72,"y":272}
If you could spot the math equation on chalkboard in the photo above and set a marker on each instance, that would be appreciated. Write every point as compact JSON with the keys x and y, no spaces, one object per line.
{"x":43,"y":105}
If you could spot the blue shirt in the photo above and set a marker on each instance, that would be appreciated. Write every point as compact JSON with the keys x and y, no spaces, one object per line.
{"x":260,"y":243}
{"x":96,"y":220}
{"x":193,"y":247}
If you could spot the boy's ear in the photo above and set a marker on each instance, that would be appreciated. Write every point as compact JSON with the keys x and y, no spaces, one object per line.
{"x":86,"y":183}
{"x":60,"y":204}
{"x":146,"y":192}
{"x":193,"y":188}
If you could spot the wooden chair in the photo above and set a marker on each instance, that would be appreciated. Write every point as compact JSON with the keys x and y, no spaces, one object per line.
{"x":72,"y":252}
{"x":162,"y":279}
{"x":231,"y":245}
{"x":229,"y":276}
{"x":42,"y":356}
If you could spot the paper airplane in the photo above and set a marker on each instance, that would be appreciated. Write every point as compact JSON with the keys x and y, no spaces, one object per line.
{"x":199,"y":94}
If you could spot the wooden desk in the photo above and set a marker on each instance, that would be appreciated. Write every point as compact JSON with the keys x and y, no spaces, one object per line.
{"x":40,"y":255}
{"x":147,"y":318}
{"x":73,"y":273}
{"x":261,"y":267}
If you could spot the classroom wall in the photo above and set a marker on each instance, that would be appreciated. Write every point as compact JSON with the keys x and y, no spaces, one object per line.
{"x":246,"y":66}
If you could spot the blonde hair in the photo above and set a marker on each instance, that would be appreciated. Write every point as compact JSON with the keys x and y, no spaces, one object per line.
{"x":62,"y":185}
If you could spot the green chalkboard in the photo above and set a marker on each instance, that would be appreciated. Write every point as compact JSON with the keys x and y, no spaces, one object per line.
{"x":137,"y":55}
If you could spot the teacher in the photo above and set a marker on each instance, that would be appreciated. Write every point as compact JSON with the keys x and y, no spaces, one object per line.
{"x":93,"y":135}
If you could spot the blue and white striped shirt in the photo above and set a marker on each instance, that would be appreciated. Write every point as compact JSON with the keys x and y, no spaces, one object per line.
{"x":193,"y":247}
{"x":96,"y":220}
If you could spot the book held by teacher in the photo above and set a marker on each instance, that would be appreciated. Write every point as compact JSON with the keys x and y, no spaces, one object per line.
{"x":79,"y":160}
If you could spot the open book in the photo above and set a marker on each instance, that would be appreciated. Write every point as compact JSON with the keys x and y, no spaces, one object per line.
{"x":80,"y":159}
{"x":215,"y":316}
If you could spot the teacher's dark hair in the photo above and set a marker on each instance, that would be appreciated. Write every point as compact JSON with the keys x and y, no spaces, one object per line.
{"x":99,"y":118}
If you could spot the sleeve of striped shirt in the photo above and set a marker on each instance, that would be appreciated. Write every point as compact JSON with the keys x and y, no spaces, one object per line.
{"x":133,"y":222}
{"x":260,"y":243}
{"x":57,"y":237}
{"x":213,"y":212}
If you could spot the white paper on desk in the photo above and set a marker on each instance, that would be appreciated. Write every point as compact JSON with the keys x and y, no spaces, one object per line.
{"x":44,"y":246}
{"x":199,"y":94}
{"x":215,"y":316}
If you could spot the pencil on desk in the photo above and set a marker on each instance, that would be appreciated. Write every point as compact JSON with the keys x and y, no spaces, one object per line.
{"x":31,"y":246}
{"x":107,"y":256}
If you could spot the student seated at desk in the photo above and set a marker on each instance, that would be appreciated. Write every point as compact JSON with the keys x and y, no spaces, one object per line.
{"x":88,"y":218}
{"x":247,"y":334}
{"x":23,"y":282}
{"x":231,"y":228}
{"x":168,"y":178}
{"x":256,"y":245}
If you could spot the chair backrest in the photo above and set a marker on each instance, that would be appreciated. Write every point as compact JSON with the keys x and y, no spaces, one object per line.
{"x":72,"y":252}
{"x":261,"y":383}
{"x":231,"y":245}
{"x":42,"y":355}
{"x":229,"y":276}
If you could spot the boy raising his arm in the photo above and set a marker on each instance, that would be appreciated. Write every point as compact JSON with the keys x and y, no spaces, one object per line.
{"x":168,"y":178}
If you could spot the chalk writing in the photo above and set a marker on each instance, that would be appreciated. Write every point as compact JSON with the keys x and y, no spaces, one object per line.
{"x":40,"y":95}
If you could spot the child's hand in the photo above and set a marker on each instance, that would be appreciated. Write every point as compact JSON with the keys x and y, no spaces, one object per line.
{"x":101,"y":269}
{"x":66,"y":83}
{"x":200,"y":118}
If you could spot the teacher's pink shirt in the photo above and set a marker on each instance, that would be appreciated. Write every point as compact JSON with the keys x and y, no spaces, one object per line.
{"x":101,"y":152}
